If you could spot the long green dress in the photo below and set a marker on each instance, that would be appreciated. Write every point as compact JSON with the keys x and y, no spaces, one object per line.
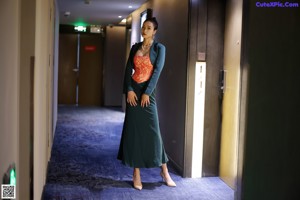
{"x":141,"y":144}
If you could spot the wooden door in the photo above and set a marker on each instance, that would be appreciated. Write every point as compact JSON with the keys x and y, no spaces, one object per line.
{"x":67,"y":77}
{"x":230,"y":118}
{"x":90,"y":70}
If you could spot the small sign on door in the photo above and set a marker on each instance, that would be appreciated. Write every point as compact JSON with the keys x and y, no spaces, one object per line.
{"x":90,"y":48}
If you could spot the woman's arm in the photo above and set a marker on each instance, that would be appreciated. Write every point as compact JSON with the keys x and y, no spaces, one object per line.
{"x":128,"y":90}
{"x":128,"y":72}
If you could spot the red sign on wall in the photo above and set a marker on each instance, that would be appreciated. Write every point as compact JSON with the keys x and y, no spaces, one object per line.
{"x":90,"y":48}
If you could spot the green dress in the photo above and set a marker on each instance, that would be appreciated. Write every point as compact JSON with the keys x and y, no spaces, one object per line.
{"x":141,"y":144}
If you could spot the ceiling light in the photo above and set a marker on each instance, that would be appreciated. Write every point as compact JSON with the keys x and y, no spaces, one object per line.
{"x":129,"y":6}
{"x":96,"y":29}
{"x":123,"y":22}
{"x":120,"y":16}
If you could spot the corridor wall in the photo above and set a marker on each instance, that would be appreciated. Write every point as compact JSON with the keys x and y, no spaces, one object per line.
{"x":173,"y":33}
{"x":43,"y":91}
{"x":271,"y":51}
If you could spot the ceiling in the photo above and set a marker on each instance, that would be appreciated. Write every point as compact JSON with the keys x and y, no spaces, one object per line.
{"x":96,"y":12}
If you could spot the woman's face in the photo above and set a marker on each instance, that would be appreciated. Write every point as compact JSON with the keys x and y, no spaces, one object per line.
{"x":148,"y":30}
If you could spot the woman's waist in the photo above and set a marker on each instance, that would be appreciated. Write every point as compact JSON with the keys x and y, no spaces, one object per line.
{"x":139,"y":84}
{"x":141,"y":77}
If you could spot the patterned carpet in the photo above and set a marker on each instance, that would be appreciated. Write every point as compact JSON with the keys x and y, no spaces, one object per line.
{"x":83,"y":164}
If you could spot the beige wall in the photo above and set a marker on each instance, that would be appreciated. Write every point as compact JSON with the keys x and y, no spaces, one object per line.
{"x":43,"y":78}
{"x":15,"y":52}
{"x":9,"y":85}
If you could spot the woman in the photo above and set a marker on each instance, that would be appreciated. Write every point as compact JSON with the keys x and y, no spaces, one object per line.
{"x":141,"y":144}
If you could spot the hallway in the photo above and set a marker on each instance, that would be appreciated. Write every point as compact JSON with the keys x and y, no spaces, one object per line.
{"x":262,"y":45}
{"x":83,"y":163}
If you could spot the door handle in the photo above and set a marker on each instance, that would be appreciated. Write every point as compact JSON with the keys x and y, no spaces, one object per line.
{"x":222,"y":80}
{"x":75,"y":70}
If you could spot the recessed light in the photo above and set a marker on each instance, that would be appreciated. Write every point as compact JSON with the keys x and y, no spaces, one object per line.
{"x":120,"y":16}
{"x":129,"y":6}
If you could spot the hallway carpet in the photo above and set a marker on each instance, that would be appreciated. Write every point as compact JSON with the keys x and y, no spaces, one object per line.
{"x":83,"y":164}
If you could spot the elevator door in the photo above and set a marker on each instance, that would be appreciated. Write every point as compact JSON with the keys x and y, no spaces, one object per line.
{"x":80,"y":69}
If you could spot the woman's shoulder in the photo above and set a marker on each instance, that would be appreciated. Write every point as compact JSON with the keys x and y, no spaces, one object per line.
{"x":137,"y":44}
{"x":135,"y":47}
{"x":159,"y":45}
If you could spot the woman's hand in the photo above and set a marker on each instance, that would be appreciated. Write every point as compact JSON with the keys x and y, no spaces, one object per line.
{"x":132,"y":98}
{"x":145,"y":100}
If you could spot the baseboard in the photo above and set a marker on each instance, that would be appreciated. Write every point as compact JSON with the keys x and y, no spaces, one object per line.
{"x":175,"y":166}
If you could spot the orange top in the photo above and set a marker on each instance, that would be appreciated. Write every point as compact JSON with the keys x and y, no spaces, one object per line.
{"x":143,"y":69}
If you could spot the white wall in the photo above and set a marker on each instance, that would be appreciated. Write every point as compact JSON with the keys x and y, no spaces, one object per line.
{"x":43,"y":82}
